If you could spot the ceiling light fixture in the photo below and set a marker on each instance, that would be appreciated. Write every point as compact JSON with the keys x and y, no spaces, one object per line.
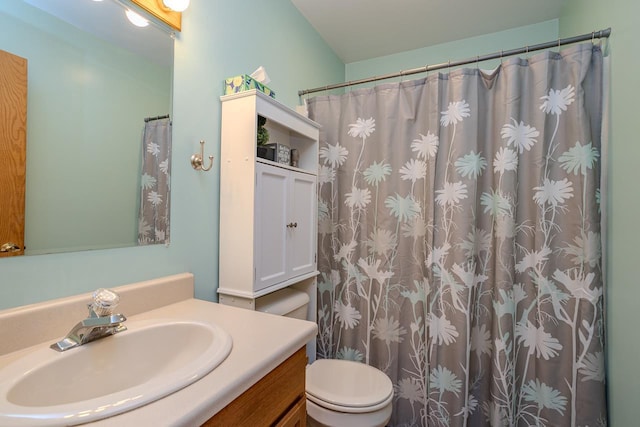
{"x":177,"y":5}
{"x":136,"y":19}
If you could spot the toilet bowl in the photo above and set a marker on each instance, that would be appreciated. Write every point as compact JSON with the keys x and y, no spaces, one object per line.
{"x":346,"y":393}
{"x":340,"y":393}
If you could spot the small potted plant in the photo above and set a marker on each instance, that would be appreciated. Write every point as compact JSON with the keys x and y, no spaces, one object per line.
{"x":263,"y":133}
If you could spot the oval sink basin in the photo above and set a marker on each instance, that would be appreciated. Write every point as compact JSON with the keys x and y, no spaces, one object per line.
{"x":109,"y":376}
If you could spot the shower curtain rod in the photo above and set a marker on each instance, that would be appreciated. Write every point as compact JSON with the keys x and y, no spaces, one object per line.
{"x":497,"y":55}
{"x":150,"y":119}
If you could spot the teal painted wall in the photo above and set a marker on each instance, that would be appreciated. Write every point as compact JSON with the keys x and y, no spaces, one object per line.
{"x":74,"y":82}
{"x":623,"y":207}
{"x":219,"y":39}
{"x":455,"y":50}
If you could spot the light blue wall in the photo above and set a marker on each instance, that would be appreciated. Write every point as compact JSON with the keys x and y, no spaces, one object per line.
{"x":219,"y":39}
{"x":623,"y":208}
{"x":86,"y":104}
{"x":455,"y":50}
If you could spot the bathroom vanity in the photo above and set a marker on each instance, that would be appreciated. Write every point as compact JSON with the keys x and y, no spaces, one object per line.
{"x":260,"y":382}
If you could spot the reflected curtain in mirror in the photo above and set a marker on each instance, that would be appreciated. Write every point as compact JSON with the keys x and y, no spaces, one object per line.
{"x":155,"y":182}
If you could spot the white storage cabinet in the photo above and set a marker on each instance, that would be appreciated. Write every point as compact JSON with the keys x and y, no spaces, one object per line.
{"x":268,"y":211}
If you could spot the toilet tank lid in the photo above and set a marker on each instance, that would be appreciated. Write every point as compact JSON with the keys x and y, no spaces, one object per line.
{"x":282,"y":302}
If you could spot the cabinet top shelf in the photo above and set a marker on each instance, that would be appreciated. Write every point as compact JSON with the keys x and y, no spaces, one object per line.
{"x":267,"y":102}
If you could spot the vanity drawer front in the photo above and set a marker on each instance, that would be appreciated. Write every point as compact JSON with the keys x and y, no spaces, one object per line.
{"x":271,"y":400}
{"x":297,"y":416}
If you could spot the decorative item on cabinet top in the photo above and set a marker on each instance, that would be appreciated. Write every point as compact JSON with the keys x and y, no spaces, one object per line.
{"x":243,"y":83}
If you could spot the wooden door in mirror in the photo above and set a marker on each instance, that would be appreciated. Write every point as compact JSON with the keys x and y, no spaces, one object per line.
{"x":13,"y":155}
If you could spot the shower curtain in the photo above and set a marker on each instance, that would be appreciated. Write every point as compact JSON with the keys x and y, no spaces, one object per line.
{"x":460,"y":242}
{"x":155,"y":183}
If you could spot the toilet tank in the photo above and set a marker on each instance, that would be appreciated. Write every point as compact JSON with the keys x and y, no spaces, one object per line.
{"x":285,"y":302}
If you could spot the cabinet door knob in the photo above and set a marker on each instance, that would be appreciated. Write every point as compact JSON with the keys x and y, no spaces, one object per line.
{"x":292,"y":225}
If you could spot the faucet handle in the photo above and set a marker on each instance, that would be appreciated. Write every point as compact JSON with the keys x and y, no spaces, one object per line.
{"x":104,"y":302}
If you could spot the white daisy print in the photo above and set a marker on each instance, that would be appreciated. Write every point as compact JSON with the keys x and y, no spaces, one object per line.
{"x":452,"y":193}
{"x":347,"y":315}
{"x":359,"y":198}
{"x":481,"y":340}
{"x":426,"y":146}
{"x":441,"y":330}
{"x":153,"y":148}
{"x":579,"y":158}
{"x":381,"y":242}
{"x":533,"y":259}
{"x":471,"y":165}
{"x":326,"y":175}
{"x":505,"y":160}
{"x":388,"y":330}
{"x":579,"y":284}
{"x":334,"y":155}
{"x":362,"y":128}
{"x":164,"y":166}
{"x":455,"y":113}
{"x":553,"y":192}
{"x":413,"y":170}
{"x":147,"y":181}
{"x":557,"y":101}
{"x":537,"y":340}
{"x":438,"y":254}
{"x":519,"y":135}
{"x":376,"y":173}
{"x":592,"y":367}
{"x":373,"y":271}
{"x":587,"y":249}
{"x":154,"y":198}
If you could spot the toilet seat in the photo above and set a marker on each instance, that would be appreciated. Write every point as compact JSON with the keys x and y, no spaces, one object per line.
{"x":347,"y":386}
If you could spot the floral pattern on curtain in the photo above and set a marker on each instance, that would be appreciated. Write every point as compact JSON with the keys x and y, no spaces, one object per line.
{"x":155,"y":183}
{"x":460,"y":244}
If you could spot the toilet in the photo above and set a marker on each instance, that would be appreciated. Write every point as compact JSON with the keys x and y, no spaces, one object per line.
{"x":340,"y":393}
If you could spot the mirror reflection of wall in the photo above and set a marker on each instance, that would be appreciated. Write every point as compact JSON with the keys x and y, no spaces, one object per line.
{"x":87,"y":101}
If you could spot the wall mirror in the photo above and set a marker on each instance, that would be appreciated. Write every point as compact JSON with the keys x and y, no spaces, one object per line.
{"x":93,"y":78}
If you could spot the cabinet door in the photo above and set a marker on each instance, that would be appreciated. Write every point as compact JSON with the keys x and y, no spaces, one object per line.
{"x":272,"y":202}
{"x":302,"y":230}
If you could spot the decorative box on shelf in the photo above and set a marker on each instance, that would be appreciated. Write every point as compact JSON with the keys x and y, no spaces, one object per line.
{"x":282,"y":153}
{"x":265,"y":152}
{"x":245,"y":82}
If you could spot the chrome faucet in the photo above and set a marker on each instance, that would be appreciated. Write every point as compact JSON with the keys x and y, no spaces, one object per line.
{"x":100,"y":323}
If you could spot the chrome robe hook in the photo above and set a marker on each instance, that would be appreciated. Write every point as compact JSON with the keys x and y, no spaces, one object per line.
{"x":197,"y":159}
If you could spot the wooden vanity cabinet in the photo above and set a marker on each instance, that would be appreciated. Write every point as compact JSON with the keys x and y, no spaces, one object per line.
{"x":278,"y":399}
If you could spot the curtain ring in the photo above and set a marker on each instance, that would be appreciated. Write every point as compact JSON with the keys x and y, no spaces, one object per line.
{"x":477,"y":62}
{"x":501,"y":55}
{"x":593,"y":37}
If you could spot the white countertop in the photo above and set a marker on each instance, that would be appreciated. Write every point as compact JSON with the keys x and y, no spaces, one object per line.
{"x":260,"y":343}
